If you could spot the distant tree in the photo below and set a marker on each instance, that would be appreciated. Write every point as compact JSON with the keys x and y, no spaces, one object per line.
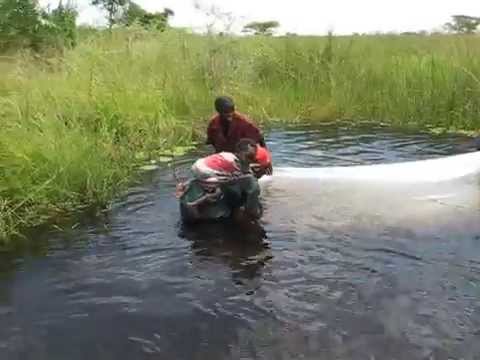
{"x":261,"y":28}
{"x":63,"y":23}
{"x":415,"y":33}
{"x":158,"y":20}
{"x":463,"y":24}
{"x":19,"y":23}
{"x":23,"y":24}
{"x":113,"y":9}
{"x":167,"y":12}
{"x":134,"y":13}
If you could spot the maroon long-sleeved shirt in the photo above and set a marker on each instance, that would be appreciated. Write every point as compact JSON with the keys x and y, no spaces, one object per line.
{"x":240,"y":127}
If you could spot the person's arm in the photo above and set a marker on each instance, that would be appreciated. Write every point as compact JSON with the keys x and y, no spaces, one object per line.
{"x":254,"y":133}
{"x":258,"y":170}
{"x":207,"y":198}
{"x":253,"y":207}
{"x":189,"y":212}
{"x":215,"y":136}
{"x":192,"y":210}
{"x":181,"y":189}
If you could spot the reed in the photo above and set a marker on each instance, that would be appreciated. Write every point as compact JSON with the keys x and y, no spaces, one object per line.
{"x":76,"y":125}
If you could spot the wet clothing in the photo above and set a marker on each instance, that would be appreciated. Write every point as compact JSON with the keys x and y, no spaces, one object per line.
{"x":218,"y":167}
{"x":230,"y":184}
{"x":225,"y":135}
{"x":207,"y":211}
{"x":244,"y":192}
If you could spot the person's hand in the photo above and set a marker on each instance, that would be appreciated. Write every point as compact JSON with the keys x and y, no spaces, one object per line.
{"x":180,"y":190}
{"x":269,"y":170}
{"x":256,"y":168}
{"x":259,"y":171}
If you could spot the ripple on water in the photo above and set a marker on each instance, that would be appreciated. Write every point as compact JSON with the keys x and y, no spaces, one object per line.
{"x":334,"y":270}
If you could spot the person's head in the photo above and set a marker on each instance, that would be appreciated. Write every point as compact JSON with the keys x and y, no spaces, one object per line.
{"x":225,"y":107}
{"x":246,"y":150}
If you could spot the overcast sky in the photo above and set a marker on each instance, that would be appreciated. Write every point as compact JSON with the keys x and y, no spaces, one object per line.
{"x":309,"y":16}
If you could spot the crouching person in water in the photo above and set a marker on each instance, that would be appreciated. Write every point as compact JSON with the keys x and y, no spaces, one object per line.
{"x":223,"y":186}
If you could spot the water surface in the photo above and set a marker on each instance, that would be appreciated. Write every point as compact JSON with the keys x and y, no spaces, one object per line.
{"x":335,"y":271}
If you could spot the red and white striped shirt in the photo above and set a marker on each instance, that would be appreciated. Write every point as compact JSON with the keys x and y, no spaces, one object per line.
{"x":218,"y":167}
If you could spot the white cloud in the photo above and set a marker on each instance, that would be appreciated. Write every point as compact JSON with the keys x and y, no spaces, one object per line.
{"x":312,"y":16}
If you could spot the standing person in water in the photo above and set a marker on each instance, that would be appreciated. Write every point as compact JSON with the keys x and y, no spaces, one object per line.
{"x":228,"y":127}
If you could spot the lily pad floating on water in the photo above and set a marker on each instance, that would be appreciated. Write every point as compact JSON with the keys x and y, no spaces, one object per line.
{"x":140,"y":155}
{"x":179,"y":150}
{"x":442,"y":130}
{"x":164,"y":159}
{"x":149,"y":167}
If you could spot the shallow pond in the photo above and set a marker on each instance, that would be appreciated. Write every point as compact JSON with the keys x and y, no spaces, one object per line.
{"x":335,"y":271}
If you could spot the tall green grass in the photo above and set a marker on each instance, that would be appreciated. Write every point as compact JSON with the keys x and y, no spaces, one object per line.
{"x":73,"y":127}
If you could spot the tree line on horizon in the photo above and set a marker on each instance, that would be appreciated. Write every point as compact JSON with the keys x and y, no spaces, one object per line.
{"x":25,"y":24}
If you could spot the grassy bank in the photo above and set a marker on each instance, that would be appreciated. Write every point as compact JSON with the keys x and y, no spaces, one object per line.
{"x":75,"y":126}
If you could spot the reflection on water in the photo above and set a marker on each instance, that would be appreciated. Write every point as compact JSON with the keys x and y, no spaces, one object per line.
{"x":240,"y":246}
{"x":337,"y":270}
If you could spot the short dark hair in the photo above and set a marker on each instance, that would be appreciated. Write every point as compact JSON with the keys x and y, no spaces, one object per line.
{"x":224,"y":104}
{"x":245,"y":145}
